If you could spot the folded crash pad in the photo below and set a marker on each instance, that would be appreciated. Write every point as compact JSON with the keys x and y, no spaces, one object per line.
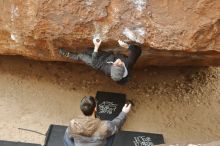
{"x":10,"y":143}
{"x":130,"y":138}
{"x":54,"y":136}
{"x":109,"y":104}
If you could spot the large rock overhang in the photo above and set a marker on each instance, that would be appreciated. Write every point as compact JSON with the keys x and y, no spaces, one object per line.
{"x":171,"y":32}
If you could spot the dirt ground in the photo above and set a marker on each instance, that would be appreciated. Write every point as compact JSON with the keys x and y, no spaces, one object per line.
{"x":182,"y":103}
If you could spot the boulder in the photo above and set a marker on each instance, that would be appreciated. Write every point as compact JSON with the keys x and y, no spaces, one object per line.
{"x":170,"y":32}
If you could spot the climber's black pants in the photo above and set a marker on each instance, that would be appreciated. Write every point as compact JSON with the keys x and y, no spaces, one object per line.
{"x":85,"y":57}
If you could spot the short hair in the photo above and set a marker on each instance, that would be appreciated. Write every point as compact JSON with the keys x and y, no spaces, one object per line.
{"x":87,"y":105}
{"x":117,"y":72}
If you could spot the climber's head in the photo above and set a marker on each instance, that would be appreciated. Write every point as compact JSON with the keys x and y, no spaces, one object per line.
{"x":118,"y":70}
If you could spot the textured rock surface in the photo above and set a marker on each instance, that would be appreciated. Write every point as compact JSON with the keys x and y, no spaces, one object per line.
{"x":172,"y":32}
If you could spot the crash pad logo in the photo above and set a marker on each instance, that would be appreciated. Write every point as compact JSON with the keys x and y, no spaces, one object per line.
{"x":142,"y":141}
{"x":107,"y":107}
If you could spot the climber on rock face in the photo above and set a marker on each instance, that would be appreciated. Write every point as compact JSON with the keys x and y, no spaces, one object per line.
{"x":118,"y":66}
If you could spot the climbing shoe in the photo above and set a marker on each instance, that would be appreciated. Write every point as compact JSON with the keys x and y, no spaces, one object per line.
{"x":63,"y":52}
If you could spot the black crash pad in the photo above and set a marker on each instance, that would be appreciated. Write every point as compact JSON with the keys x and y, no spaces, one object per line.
{"x":109,"y":104}
{"x":10,"y":143}
{"x":54,"y":136}
{"x":130,"y":138}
